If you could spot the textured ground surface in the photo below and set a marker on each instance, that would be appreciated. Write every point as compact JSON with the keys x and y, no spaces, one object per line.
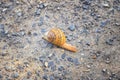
{"x":91,"y":25}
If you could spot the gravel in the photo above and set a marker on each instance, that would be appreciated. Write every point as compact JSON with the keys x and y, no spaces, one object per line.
{"x":2,"y":30}
{"x":104,"y":23}
{"x":51,"y":77}
{"x":41,"y":21}
{"x":37,"y":12}
{"x":76,"y":61}
{"x":63,"y":56}
{"x":90,"y":25}
{"x":46,"y":64}
{"x":70,"y":37}
{"x":106,"y":5}
{"x":35,"y":34}
{"x":29,"y":73}
{"x":43,"y":30}
{"x":41,"y":6}
{"x":19,"y":14}
{"x":50,"y":64}
{"x":109,"y":41}
{"x":37,"y":73}
{"x":1,"y":76}
{"x":51,"y":56}
{"x":15,"y":75}
{"x":45,"y":77}
{"x":69,"y":59}
{"x":1,"y":26}
{"x":61,"y":68}
{"x":72,"y":27}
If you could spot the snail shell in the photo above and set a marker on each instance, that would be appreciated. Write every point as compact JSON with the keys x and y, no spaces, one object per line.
{"x":57,"y":37}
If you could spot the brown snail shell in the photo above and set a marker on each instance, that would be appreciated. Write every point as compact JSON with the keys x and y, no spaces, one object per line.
{"x":57,"y":37}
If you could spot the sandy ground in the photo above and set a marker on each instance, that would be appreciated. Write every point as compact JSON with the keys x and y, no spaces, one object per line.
{"x":93,"y":26}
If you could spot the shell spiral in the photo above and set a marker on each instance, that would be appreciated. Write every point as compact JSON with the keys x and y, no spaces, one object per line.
{"x":56,"y":36}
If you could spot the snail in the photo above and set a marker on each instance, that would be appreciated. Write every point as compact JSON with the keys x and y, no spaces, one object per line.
{"x":57,"y":37}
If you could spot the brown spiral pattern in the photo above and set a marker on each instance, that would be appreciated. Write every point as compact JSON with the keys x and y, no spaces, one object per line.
{"x":56,"y":36}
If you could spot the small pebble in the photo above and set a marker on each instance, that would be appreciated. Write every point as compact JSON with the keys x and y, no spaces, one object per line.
{"x":103,"y":24}
{"x":51,"y":78}
{"x":21,"y":33}
{"x":41,"y":21}
{"x":42,"y":58}
{"x":92,"y":14}
{"x":43,"y":30}
{"x":20,"y":68}
{"x":96,"y":18}
{"x":65,"y":72}
{"x":57,"y":60}
{"x":61,"y":68}
{"x":51,"y":56}
{"x":2,"y":31}
{"x":10,"y":8}
{"x":45,"y":77}
{"x":1,"y":26}
{"x":35,"y":34}
{"x":77,"y":8}
{"x":29,"y":33}
{"x":37,"y":12}
{"x":33,"y":25}
{"x":98,"y":53}
{"x":57,"y":75}
{"x":88,"y":66}
{"x":58,"y":8}
{"x":50,"y":45}
{"x":76,"y":61}
{"x":4,"y":10}
{"x":104,"y":71}
{"x":113,"y":75}
{"x":117,"y":24}
{"x":85,"y":7}
{"x":72,"y":27}
{"x":46,"y":64}
{"x":111,"y":11}
{"x":28,"y":79}
{"x":94,"y":56}
{"x":41,"y":6}
{"x":4,"y":54}
{"x":106,"y":5}
{"x":110,"y":78}
{"x":37,"y":72}
{"x":29,"y":73}
{"x":50,"y":64}
{"x":87,"y":2}
{"x":63,"y":56}
{"x":109,"y":42}
{"x":69,"y":59}
{"x":107,"y":59}
{"x":98,"y":30}
{"x":1,"y":17}
{"x":15,"y":75}
{"x":19,"y":14}
{"x":69,"y":38}
{"x":87,"y":43}
{"x":84,"y":30}
{"x":118,"y":8}
{"x":8,"y":68}
{"x":53,"y":68}
{"x":118,"y":75}
{"x":1,"y":76}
